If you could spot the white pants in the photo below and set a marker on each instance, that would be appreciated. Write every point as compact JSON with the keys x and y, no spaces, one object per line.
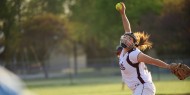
{"x":144,"y":89}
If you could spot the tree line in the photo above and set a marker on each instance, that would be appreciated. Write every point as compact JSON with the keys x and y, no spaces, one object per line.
{"x":32,"y":28}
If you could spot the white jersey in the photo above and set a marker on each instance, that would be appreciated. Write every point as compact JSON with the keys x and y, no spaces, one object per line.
{"x":133,"y":72}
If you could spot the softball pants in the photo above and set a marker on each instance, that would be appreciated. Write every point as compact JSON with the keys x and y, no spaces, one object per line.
{"x":144,"y":89}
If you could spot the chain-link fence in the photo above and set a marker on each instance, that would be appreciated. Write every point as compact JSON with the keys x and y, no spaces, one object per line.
{"x":93,"y":68}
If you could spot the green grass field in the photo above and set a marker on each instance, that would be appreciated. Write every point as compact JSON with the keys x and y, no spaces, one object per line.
{"x":101,"y":86}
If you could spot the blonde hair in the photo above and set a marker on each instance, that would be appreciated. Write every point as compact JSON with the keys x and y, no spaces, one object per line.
{"x":143,"y":42}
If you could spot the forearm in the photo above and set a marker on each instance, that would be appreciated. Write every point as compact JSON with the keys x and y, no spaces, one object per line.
{"x":159,"y":63}
{"x":126,"y":23}
{"x":149,"y":60}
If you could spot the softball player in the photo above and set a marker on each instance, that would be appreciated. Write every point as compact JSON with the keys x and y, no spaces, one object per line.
{"x":132,"y":61}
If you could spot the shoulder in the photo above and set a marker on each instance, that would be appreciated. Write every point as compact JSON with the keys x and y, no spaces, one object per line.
{"x":133,"y":56}
{"x":135,"y":52}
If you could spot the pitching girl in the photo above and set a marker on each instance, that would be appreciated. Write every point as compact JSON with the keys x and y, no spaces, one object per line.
{"x":132,"y":61}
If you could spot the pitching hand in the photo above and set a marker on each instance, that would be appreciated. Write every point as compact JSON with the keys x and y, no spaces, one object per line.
{"x":122,"y":11}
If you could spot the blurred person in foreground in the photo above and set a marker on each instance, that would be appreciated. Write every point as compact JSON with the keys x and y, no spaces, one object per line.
{"x":132,"y":61}
{"x":10,"y":84}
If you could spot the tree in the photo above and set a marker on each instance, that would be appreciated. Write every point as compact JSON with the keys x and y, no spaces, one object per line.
{"x":9,"y":17}
{"x":35,"y":7}
{"x":41,"y":35}
{"x":173,"y":25}
{"x":14,"y":12}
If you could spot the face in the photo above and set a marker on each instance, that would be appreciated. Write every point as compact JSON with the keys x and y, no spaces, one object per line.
{"x":127,"y":40}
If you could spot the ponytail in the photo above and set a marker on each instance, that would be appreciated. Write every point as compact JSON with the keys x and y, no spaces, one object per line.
{"x":143,"y":42}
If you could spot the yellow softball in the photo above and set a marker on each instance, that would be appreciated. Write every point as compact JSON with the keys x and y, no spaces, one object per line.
{"x":118,"y":6}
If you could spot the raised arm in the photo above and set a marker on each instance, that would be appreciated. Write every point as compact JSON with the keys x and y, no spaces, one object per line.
{"x":125,"y":20}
